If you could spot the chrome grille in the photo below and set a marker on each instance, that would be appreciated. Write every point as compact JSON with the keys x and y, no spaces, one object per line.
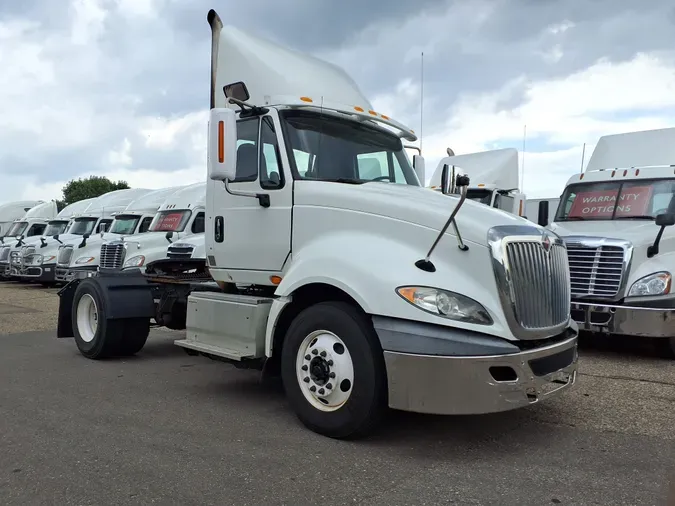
{"x":540,"y":284}
{"x":595,"y":270}
{"x":180,"y":251}
{"x":112,"y":255}
{"x":4,"y":254}
{"x":64,"y":255}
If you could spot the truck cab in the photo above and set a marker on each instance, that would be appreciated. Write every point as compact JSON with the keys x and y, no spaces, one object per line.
{"x":94,"y":220}
{"x":334,"y":269}
{"x":494,"y":178}
{"x":616,"y":220}
{"x":32,"y":224}
{"x":180,"y":214}
{"x":128,"y":227}
{"x":11,"y":211}
{"x":30,"y":262}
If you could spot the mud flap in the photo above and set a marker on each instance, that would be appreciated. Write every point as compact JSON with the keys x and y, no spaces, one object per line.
{"x":126,"y":294}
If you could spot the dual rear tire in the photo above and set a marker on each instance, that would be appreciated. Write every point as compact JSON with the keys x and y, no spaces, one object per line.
{"x":96,"y":336}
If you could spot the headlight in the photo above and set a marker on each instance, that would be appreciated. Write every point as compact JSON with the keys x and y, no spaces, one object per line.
{"x":136,"y":261}
{"x":446,"y":304}
{"x":84,"y":260}
{"x":654,"y":284}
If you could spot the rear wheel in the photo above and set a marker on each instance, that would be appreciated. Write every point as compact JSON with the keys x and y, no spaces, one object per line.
{"x":333,"y":371}
{"x":95,"y":336}
{"x":136,"y":331}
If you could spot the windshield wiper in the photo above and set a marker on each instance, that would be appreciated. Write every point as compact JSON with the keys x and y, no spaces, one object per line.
{"x":348,"y":180}
{"x":638,"y":217}
{"x":573,"y":218}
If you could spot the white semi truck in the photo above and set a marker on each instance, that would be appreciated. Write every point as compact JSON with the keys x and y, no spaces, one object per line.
{"x":494,"y":178}
{"x":355,"y":291}
{"x":95,"y":220}
{"x":616,"y":220}
{"x":181,"y":214}
{"x":11,"y":211}
{"x":129,"y":227}
{"x":33,"y":223}
{"x":26,"y":259}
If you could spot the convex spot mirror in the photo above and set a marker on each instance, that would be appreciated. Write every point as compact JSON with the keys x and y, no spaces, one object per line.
{"x":665,"y":220}
{"x":222,"y":144}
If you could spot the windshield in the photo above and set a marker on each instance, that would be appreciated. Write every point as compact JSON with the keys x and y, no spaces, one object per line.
{"x":482,"y":196}
{"x":18,"y":228}
{"x":55,"y":227}
{"x":331,"y":148}
{"x":124,"y":224}
{"x":170,"y":221}
{"x":616,"y":200}
{"x":82,"y":226}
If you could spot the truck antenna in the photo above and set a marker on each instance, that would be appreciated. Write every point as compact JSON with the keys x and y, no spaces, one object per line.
{"x":421,"y":100}
{"x":522,"y":177}
{"x":583,"y":154}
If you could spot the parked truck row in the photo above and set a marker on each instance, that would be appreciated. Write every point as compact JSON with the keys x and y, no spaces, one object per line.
{"x":313,"y":252}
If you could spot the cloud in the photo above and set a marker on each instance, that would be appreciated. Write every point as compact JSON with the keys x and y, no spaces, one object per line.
{"x":119,"y":87}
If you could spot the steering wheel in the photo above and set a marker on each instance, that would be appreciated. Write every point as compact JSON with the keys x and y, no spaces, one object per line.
{"x":381,"y":178}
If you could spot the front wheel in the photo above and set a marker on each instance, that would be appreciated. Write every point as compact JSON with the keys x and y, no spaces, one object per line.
{"x":333,"y":371}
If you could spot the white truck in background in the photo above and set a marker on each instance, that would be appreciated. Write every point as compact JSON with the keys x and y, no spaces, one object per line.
{"x":494,"y":178}
{"x":26,"y":258}
{"x":128,"y":226}
{"x":355,"y":291}
{"x":95,"y":220}
{"x":181,"y":214}
{"x":32,"y":224}
{"x":616,"y":219}
{"x":12,"y":211}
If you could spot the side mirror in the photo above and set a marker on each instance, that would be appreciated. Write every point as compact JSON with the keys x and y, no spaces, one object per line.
{"x":444,"y":179}
{"x":237,"y":90}
{"x":222,"y":145}
{"x":665,"y":220}
{"x":542,"y":216}
{"x":419,"y":166}
{"x":169,"y":235}
{"x":86,"y":236}
{"x":662,"y":220}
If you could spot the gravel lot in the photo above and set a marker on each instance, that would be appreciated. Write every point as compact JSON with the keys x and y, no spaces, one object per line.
{"x":166,"y":428}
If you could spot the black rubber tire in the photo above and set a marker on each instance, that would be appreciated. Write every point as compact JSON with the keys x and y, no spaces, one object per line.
{"x":136,"y":331}
{"x":368,"y":400}
{"x":108,"y":332}
{"x":665,"y":347}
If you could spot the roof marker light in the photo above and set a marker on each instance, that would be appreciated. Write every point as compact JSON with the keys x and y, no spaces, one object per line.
{"x":358,"y":109}
{"x":306,"y":99}
{"x":372,"y":113}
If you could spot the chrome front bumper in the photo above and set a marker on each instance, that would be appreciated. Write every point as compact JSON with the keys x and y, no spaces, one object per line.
{"x":624,"y":320}
{"x":458,"y":385}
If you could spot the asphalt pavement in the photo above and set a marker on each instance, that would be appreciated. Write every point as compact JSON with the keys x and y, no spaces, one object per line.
{"x":166,"y":428}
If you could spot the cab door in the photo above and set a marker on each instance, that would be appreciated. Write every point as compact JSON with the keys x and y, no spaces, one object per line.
{"x":246,"y":235}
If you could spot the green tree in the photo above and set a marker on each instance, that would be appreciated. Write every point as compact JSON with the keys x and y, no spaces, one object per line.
{"x":93,"y":186}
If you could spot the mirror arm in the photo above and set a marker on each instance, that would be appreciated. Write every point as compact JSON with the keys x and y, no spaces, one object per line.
{"x":654,"y":248}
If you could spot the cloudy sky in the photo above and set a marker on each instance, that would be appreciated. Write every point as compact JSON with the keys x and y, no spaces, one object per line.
{"x":120,"y":87}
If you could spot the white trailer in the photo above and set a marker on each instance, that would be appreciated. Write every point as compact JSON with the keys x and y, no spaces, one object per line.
{"x":354,"y":290}
{"x":128,"y":229}
{"x":616,"y":220}
{"x":494,"y":178}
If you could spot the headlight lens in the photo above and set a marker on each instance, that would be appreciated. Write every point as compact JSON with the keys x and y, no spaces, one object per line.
{"x":445,"y":304}
{"x":84,"y":260}
{"x":136,"y":261}
{"x":654,"y":284}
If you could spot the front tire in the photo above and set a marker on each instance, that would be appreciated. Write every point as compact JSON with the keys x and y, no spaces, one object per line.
{"x":333,"y":371}
{"x":95,"y":336}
